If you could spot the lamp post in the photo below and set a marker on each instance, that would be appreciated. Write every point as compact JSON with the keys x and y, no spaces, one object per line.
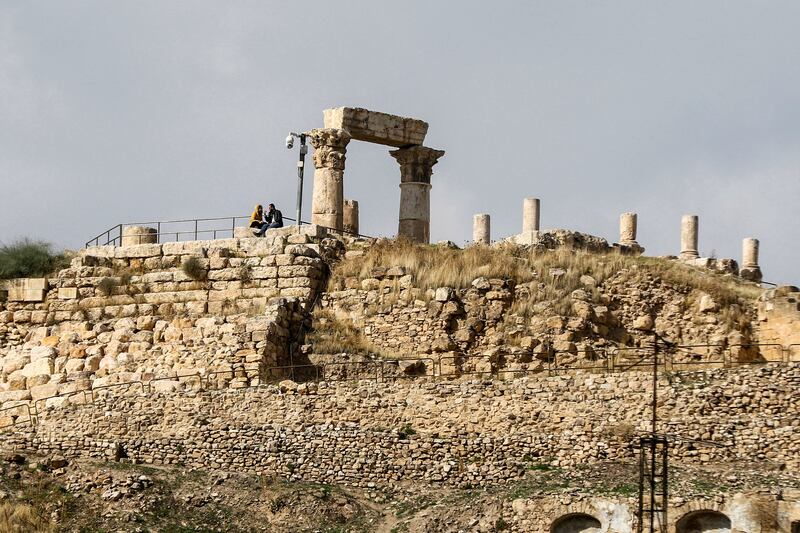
{"x":300,"y":168}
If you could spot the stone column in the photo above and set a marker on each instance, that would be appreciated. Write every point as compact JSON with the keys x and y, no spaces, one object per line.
{"x":530,"y":215}
{"x":627,"y":229}
{"x":132,"y":235}
{"x":330,"y":147}
{"x":750,"y":252}
{"x":416,"y":167}
{"x":350,"y":218}
{"x":750,"y":269}
{"x":481,"y":230}
{"x":689,"y":237}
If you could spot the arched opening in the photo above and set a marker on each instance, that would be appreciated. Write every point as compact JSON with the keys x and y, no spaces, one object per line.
{"x":796,"y":527}
{"x":704,"y":522}
{"x":576,"y":523}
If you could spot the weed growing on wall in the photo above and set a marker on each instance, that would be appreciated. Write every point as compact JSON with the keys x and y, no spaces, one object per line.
{"x":107,"y":286}
{"x":194,"y":268}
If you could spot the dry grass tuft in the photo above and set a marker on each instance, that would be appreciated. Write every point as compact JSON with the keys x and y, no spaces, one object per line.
{"x":433,"y":267}
{"x":725,"y":290}
{"x":23,"y":518}
{"x":333,"y":335}
{"x":194,"y":268}
{"x":107,"y":286}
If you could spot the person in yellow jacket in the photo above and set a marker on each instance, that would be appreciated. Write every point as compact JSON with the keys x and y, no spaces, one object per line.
{"x":257,"y":224}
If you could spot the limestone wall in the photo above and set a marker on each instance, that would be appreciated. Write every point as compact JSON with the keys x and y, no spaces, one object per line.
{"x":497,"y":323}
{"x":779,"y":318}
{"x":461,"y":433}
{"x":138,"y":312}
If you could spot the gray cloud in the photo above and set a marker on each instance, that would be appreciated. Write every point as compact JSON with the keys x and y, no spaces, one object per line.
{"x":115,"y":112}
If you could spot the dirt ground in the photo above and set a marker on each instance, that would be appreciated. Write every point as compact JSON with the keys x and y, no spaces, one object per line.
{"x":86,"y":496}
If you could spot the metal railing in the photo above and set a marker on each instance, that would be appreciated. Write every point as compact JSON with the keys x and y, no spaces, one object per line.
{"x":190,"y":229}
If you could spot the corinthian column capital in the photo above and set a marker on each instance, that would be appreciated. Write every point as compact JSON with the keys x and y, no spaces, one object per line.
{"x":416,"y":163}
{"x":330,"y":147}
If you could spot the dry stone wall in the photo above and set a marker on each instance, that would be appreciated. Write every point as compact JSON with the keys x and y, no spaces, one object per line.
{"x":164,"y":310}
{"x":494,"y":324}
{"x":464,"y":433}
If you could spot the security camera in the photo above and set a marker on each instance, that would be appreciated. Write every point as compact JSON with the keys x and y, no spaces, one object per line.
{"x":289,"y":142}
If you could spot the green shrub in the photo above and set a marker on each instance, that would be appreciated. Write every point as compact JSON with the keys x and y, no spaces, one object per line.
{"x":193,"y":268}
{"x":30,"y":259}
{"x":406,"y":431}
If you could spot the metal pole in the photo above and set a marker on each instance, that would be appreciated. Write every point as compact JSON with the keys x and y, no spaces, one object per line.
{"x":655,"y":380}
{"x":300,"y":167}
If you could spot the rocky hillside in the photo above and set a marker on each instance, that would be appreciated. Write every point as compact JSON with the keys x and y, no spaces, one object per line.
{"x":521,"y":305}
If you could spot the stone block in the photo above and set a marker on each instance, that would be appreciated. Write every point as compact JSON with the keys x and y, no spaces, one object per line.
{"x":15,"y":396}
{"x":196,"y":248}
{"x":376,"y":127}
{"x":243,"y":232}
{"x":308,"y":250}
{"x":99,"y":251}
{"x":137,"y":251}
{"x":42,"y":352}
{"x":259,"y":247}
{"x":67,"y":293}
{"x":38,"y":368}
{"x":44,"y":391}
{"x":26,"y":295}
{"x":29,"y":284}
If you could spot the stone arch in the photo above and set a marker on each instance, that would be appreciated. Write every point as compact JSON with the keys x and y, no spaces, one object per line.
{"x":576,"y":523}
{"x":703,"y":521}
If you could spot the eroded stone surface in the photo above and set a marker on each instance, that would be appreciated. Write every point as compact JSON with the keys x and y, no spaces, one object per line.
{"x":376,"y":127}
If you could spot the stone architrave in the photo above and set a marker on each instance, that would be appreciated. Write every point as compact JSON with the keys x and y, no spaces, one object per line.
{"x":330,"y":147}
{"x":481,"y":229}
{"x":689,"y":224}
{"x":350,"y":217}
{"x":416,"y":167}
{"x":376,"y":127}
{"x":750,"y":269}
{"x":133,"y":235}
{"x":530,"y":215}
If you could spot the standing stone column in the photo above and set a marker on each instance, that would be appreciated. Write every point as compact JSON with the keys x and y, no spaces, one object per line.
{"x":689,"y":237}
{"x":530,"y":215}
{"x":481,"y":229}
{"x":330,"y":147}
{"x":350,"y":218}
{"x":750,"y":269}
{"x":416,"y":167}
{"x":627,"y":234}
{"x":627,"y":229}
{"x":132,"y":235}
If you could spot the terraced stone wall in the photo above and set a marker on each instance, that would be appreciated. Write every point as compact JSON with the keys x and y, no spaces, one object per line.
{"x":463,"y":433}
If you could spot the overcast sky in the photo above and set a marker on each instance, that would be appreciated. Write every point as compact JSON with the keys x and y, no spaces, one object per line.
{"x":127,"y":111}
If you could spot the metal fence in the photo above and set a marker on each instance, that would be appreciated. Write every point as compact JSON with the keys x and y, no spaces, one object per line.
{"x":188,"y":230}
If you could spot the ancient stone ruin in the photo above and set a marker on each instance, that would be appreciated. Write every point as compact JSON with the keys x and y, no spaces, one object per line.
{"x":517,"y":369}
{"x":343,"y":124}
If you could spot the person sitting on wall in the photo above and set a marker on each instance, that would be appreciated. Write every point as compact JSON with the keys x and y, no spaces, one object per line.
{"x":257,"y":224}
{"x":274,"y":217}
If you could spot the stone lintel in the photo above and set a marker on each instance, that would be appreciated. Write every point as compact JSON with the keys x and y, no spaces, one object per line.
{"x":376,"y":127}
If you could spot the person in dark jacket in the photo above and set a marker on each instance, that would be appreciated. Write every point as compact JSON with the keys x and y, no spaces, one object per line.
{"x":274,"y":217}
